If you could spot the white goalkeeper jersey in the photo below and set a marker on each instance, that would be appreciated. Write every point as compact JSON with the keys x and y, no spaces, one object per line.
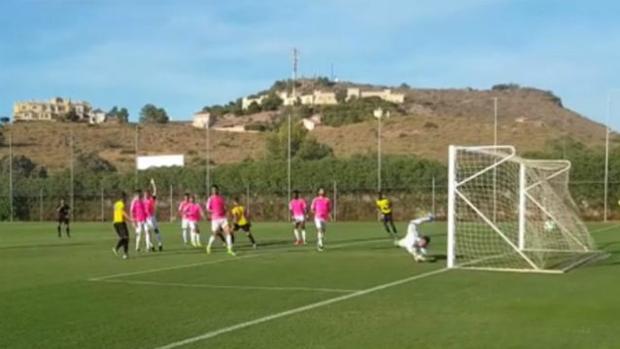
{"x":410,"y":241}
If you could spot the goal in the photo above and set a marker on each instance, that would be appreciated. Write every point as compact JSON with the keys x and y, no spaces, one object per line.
{"x":508,"y":213}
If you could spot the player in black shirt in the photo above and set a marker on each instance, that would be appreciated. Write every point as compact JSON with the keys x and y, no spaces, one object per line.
{"x":63,"y":217}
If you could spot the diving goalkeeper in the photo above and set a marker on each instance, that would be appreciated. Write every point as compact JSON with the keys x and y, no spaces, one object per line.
{"x":414,"y":242}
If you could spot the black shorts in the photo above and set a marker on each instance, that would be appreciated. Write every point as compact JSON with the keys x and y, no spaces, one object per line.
{"x":121,"y":230}
{"x":387,"y":217}
{"x":63,"y":220}
{"x":246,"y":227}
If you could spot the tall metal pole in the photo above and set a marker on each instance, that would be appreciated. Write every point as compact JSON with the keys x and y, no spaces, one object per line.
{"x":41,"y":205}
{"x":495,"y":168}
{"x":247,"y":199}
{"x":170,"y":199}
{"x":289,"y":153}
{"x":11,"y":176}
{"x":136,"y":156}
{"x":72,"y":171}
{"x":207,"y":157}
{"x":335,"y":197}
{"x":433,"y":195}
{"x":102,"y":204}
{"x":606,"y":158}
{"x":379,"y":152}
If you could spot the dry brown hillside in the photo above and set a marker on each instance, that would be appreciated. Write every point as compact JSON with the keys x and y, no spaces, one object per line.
{"x":433,"y":119}
{"x":527,"y":118}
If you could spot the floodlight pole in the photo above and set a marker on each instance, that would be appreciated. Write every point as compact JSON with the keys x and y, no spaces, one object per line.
{"x":207,"y":156}
{"x":72,"y":172}
{"x":293,"y":92}
{"x":495,"y":168}
{"x":378,"y":113}
{"x":11,"y":176}
{"x":136,"y":156}
{"x":605,"y":191}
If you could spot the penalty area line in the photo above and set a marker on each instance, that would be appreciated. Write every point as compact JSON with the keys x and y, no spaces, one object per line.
{"x":266,"y":252}
{"x":233,"y":287}
{"x":298,"y":310}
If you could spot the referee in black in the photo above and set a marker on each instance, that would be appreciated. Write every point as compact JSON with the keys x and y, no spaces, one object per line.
{"x":63,"y":211}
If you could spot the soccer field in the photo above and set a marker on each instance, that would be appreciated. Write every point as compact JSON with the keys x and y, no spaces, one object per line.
{"x":362,"y":292}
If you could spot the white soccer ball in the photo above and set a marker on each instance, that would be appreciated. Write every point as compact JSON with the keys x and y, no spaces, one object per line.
{"x":549,"y":225}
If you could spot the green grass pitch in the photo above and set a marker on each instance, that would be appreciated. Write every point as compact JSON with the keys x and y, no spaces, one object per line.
{"x":61,"y":293}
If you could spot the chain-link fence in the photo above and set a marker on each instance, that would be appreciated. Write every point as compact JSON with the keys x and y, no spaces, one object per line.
{"x":272,"y":206}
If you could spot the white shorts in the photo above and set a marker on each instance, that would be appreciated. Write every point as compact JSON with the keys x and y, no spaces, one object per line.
{"x":299,"y":219}
{"x":192,"y":226}
{"x":151,"y":223}
{"x":219,"y":223}
{"x":320,"y":223}
{"x":139,"y":227}
{"x":184,"y":224}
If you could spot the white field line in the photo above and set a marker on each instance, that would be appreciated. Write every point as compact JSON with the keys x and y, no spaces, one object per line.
{"x":259,"y":254}
{"x":101,"y":278}
{"x":234,"y":287}
{"x":612,"y":227}
{"x":298,"y":310}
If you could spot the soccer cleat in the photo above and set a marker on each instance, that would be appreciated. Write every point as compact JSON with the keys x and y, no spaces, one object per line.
{"x":319,"y":248}
{"x":297,"y":242}
{"x":153,"y":249}
{"x":231,"y":253}
{"x":208,"y":249}
{"x":115,"y":251}
{"x":125,"y":256}
{"x":254,"y":246}
{"x":161,"y":248}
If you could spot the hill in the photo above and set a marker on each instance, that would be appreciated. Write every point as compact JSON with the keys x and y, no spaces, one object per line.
{"x":425,"y":124}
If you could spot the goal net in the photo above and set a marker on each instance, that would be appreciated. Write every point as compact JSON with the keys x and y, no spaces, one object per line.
{"x":513,"y":214}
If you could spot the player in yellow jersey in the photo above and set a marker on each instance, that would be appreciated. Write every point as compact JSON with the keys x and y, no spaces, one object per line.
{"x":241,"y":221}
{"x":120,"y":226}
{"x":384,"y":206}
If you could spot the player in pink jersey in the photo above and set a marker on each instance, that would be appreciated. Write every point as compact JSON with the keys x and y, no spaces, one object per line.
{"x":184,"y":223}
{"x":193,"y":214}
{"x":150,"y":206}
{"x":216,"y":206}
{"x":298,"y":209}
{"x":138,"y":216}
{"x":321,"y":207}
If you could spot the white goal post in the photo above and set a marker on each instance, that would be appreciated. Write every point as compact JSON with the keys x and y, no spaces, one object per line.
{"x":508,"y":213}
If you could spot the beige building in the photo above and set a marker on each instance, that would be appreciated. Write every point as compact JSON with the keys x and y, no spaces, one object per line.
{"x":386,"y":95}
{"x":327,"y":98}
{"x":247,"y":101}
{"x":202,"y":120}
{"x":54,"y":109}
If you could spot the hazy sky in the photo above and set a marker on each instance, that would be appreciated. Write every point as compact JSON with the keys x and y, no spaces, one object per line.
{"x":184,"y":54}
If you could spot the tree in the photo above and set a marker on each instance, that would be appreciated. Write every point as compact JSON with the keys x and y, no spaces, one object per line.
{"x":341,"y":95}
{"x":254,"y":108}
{"x":92,"y":162}
{"x":121,"y":114}
{"x":272,"y":102}
{"x":71,"y":116}
{"x":277,"y":143}
{"x":311,"y":149}
{"x":152,"y":114}
{"x":405,"y":85}
{"x":23,"y":167}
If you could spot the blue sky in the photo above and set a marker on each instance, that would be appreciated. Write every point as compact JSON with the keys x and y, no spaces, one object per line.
{"x":185,"y":54}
